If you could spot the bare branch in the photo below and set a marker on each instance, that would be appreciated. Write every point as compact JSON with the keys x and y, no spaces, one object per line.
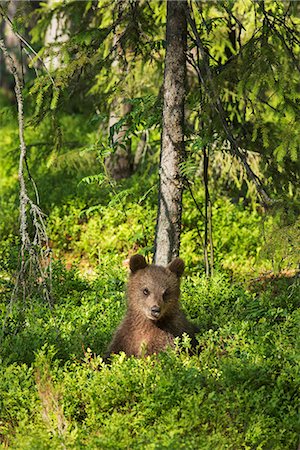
{"x":29,"y":256}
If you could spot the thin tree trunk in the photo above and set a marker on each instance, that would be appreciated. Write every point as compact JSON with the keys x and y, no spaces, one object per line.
{"x":205,"y":179}
{"x":208,"y":237}
{"x":12,"y":43}
{"x":119,"y":163}
{"x":141,"y":150}
{"x":56,"y":34}
{"x":168,"y":226}
{"x":211,"y":242}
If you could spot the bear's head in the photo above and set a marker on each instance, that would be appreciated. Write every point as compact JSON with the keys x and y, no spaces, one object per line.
{"x":154,"y":290}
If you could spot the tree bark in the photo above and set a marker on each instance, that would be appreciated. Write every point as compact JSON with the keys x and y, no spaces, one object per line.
{"x":56,"y":34}
{"x":208,"y":237}
{"x":141,"y":150}
{"x":205,"y":179}
{"x":119,"y":163}
{"x":12,"y":43}
{"x":168,"y":226}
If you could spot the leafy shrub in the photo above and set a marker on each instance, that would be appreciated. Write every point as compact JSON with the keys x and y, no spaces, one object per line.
{"x":241,"y":390}
{"x":83,"y":316}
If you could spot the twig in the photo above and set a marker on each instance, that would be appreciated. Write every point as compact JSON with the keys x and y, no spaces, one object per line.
{"x":279,"y":35}
{"x":230,"y":13}
{"x":33,"y":182}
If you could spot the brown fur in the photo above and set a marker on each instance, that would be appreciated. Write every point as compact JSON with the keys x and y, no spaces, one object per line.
{"x":149,"y":287}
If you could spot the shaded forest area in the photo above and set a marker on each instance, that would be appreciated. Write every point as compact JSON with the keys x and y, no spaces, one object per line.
{"x":160,"y":128}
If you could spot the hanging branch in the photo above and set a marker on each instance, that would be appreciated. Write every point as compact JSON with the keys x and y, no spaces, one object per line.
{"x":272,"y":26}
{"x":25,"y":43}
{"x":218,"y":106}
{"x":34,"y":253}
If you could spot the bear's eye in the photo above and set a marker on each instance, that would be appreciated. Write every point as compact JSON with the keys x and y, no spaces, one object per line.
{"x":166,"y":294}
{"x":146,"y":291}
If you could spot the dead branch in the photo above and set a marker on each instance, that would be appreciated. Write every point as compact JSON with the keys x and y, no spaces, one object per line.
{"x":34,"y":253}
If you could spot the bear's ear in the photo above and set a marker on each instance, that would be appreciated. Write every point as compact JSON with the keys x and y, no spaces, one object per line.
{"x":137,"y":262}
{"x":176,"y":266}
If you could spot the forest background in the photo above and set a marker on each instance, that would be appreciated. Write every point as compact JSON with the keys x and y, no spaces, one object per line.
{"x":82,"y":193}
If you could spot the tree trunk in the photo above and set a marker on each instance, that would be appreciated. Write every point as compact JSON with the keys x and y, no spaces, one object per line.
{"x":141,"y":150}
{"x":56,"y":34}
{"x":119,"y":164}
{"x":13,"y":45}
{"x":168,"y":226}
{"x":208,"y":237}
{"x":205,"y":178}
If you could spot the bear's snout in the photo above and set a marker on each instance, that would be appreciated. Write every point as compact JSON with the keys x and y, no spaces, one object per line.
{"x":155,"y":311}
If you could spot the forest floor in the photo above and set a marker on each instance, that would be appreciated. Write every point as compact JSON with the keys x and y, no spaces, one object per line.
{"x":240,"y":391}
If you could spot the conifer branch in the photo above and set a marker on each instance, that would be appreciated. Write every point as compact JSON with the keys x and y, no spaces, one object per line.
{"x":272,"y":26}
{"x":208,"y":85}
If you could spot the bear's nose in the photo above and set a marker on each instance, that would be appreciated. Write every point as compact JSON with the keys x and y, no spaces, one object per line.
{"x":155,"y":311}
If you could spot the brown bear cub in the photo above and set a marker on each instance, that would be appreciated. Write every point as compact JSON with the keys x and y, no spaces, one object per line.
{"x":153,"y":317}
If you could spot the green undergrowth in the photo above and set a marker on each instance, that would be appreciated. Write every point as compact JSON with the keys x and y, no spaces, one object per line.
{"x":241,"y":390}
{"x":125,"y":225}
